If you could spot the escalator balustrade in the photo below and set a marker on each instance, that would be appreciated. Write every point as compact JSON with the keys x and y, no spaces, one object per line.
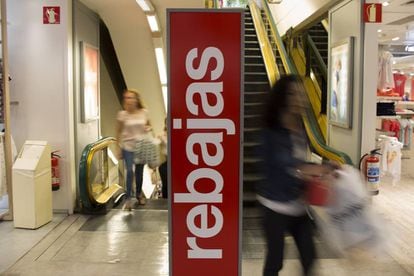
{"x":100,"y":173}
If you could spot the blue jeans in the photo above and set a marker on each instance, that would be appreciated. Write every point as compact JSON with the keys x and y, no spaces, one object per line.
{"x":139,"y":169}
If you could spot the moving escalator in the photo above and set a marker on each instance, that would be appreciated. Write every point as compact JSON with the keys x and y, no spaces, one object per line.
{"x":269,"y":37}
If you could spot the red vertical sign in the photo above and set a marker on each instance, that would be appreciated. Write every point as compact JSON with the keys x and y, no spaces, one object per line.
{"x":205,"y":75}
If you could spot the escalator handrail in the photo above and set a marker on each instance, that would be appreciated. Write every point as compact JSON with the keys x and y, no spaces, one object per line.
{"x":265,"y":46}
{"x":321,"y":64}
{"x":85,"y":188}
{"x":314,"y":134}
{"x":279,"y":42}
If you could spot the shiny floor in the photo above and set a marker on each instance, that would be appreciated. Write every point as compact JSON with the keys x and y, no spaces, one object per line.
{"x":136,"y":242}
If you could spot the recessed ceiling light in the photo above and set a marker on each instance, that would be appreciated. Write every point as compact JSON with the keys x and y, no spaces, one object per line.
{"x":145,"y":5}
{"x":152,"y":21}
{"x":395,"y":38}
{"x":379,"y":30}
{"x":386,"y":3}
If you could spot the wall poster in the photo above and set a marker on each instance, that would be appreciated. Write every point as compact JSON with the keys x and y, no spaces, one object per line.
{"x":340,"y":91}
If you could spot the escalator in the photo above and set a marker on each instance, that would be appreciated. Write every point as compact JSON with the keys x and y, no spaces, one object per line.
{"x":259,"y":64}
{"x":319,"y":36}
{"x":256,"y":84}
{"x":264,"y":24}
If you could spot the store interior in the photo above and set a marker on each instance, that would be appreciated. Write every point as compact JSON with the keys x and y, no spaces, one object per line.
{"x":395,"y":94}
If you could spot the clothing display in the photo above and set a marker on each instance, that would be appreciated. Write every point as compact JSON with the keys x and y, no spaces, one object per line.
{"x":402,"y":129}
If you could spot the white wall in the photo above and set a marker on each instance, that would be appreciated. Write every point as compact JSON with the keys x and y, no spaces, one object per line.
{"x":290,"y":13}
{"x":345,"y":21}
{"x":41,"y":68}
{"x":109,"y":104}
{"x":136,"y":55}
{"x":369,"y":87}
{"x":86,"y":29}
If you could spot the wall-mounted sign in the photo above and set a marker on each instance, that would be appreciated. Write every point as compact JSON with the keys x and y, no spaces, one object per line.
{"x":373,"y":12}
{"x":51,"y":15}
{"x":205,"y":94}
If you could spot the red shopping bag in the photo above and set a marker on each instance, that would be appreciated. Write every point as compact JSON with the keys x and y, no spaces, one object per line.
{"x":317,"y":192}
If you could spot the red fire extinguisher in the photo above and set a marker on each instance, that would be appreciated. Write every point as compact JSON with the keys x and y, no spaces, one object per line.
{"x":55,"y":171}
{"x":369,"y":164}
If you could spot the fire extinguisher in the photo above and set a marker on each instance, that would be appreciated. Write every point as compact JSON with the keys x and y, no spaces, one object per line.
{"x":369,"y":164}
{"x":55,"y":171}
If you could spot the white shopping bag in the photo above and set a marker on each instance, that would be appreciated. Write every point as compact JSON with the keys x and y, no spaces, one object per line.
{"x":350,"y":221}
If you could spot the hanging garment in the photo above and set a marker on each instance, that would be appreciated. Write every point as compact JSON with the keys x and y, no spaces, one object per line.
{"x":403,"y":129}
{"x":385,"y":76}
{"x":399,"y":82}
{"x":391,"y":157}
{"x":391,"y":126}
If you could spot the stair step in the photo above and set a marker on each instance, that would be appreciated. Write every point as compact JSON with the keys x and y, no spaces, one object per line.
{"x":254,"y":68}
{"x":250,"y":37}
{"x":256,"y":86}
{"x":255,"y":97}
{"x":252,"y":178}
{"x":252,"y":136}
{"x":255,"y":76}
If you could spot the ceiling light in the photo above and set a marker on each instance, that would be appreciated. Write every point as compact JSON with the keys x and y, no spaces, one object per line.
{"x":159,"y":54}
{"x":386,"y":3}
{"x":165,"y":96}
{"x":379,"y":30}
{"x":395,"y":38}
{"x":153,"y":23}
{"x":145,"y":5}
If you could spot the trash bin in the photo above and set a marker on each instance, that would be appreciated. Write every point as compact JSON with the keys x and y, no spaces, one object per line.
{"x":32,"y":186}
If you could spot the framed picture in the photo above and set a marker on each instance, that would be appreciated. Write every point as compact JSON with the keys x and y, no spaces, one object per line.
{"x":340,"y":83}
{"x":89,"y":82}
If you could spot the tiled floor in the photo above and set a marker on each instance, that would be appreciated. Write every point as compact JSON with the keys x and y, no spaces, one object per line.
{"x":136,"y":243}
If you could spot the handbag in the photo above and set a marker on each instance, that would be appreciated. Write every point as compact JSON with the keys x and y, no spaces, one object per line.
{"x":147,"y":151}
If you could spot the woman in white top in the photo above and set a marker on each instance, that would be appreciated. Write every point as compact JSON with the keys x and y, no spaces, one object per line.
{"x":132,"y":125}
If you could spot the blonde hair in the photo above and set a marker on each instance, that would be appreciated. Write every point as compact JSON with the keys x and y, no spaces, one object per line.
{"x":140,"y":103}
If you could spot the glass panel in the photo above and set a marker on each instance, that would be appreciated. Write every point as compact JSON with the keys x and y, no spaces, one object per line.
{"x":105,"y":170}
{"x":98,"y":172}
